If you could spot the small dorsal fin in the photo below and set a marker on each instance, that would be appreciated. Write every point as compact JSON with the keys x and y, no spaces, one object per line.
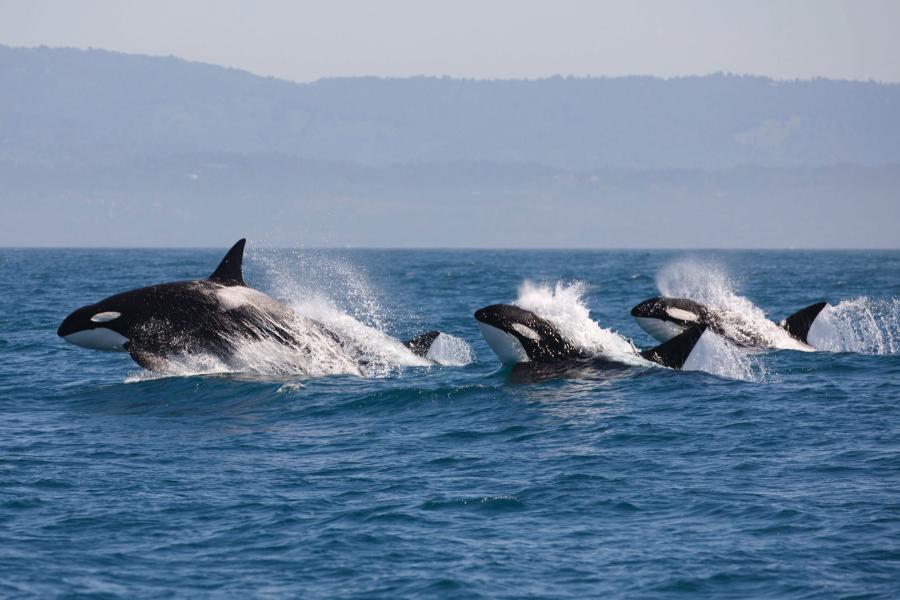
{"x":229,"y":271}
{"x":799,"y":323}
{"x":421,"y":344}
{"x":675,"y":352}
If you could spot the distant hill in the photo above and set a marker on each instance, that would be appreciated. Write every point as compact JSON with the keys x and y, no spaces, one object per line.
{"x":99,"y":148}
{"x":76,"y":106}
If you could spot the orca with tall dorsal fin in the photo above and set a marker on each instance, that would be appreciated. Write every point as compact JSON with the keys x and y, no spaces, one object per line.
{"x":664,"y":318}
{"x":212,"y":316}
{"x":517,"y":335}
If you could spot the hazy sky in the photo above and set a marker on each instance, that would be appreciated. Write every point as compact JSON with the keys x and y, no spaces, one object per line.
{"x":303,"y":41}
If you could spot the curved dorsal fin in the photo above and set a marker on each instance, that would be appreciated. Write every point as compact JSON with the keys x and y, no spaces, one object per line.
{"x":229,"y":270}
{"x":799,"y":323}
{"x":675,"y":352}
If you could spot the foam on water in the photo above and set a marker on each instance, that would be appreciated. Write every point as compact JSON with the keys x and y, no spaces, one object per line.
{"x":864,"y":325}
{"x":708,"y":283}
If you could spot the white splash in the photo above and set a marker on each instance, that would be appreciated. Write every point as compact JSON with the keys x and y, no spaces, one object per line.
{"x":714,"y":354}
{"x":237,"y":295}
{"x":707,"y":283}
{"x":864,"y":325}
{"x":339,"y":295}
{"x":450,"y":351}
{"x":379,"y":353}
{"x":563,"y":305}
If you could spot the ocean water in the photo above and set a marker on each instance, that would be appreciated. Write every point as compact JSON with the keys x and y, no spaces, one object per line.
{"x":767,"y":474}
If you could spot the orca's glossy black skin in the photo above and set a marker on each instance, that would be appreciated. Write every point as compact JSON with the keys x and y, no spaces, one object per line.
{"x":549,"y":347}
{"x":655,"y":308}
{"x":545,"y":345}
{"x":211,"y":315}
{"x":183,"y":317}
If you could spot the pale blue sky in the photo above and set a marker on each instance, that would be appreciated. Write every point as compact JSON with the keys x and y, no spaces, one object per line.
{"x":304,"y":41}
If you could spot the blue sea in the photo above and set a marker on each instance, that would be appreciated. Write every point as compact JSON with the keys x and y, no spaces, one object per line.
{"x":768,"y":475}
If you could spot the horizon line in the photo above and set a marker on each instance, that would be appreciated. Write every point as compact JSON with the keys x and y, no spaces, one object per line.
{"x":770,"y":78}
{"x":487,"y":248}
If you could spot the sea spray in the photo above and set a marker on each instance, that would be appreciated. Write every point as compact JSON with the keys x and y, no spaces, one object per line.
{"x":863,"y":325}
{"x":338,"y":294}
{"x":708,"y":283}
{"x":563,"y":305}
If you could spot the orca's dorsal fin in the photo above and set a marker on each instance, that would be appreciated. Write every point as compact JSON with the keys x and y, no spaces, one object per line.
{"x":675,"y":352}
{"x":229,"y":271}
{"x":421,"y":344}
{"x":798,"y":324}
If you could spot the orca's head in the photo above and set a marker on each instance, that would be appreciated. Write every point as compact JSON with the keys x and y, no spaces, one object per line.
{"x":102,"y":326}
{"x":517,"y":335}
{"x":665,"y":318}
{"x":157,"y":315}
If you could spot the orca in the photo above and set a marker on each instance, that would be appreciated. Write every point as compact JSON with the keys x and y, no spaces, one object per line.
{"x":664,"y":318}
{"x":517,"y":335}
{"x":205,"y":316}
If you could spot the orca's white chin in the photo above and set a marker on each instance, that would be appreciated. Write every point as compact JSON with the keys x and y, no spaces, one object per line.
{"x":507,"y":348}
{"x":99,"y":338}
{"x":661,"y":330}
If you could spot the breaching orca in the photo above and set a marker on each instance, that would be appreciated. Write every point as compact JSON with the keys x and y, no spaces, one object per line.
{"x":207,"y":316}
{"x":517,"y":336}
{"x":665,"y":318}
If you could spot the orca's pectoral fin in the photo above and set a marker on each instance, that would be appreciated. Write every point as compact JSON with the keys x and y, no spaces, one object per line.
{"x":152,"y":361}
{"x":675,"y":352}
{"x":421,"y":344}
{"x":229,"y":271}
{"x":799,"y":323}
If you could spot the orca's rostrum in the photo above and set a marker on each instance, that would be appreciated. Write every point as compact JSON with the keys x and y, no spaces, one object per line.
{"x":213,"y":316}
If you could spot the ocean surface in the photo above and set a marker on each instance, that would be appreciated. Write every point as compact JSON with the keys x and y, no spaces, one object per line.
{"x":767,"y":474}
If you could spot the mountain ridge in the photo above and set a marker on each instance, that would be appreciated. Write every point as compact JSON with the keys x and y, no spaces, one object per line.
{"x":102,"y":106}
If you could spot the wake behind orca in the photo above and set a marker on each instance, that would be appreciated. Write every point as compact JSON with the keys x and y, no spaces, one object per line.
{"x":215,"y":316}
{"x":665,"y":318}
{"x":517,"y":336}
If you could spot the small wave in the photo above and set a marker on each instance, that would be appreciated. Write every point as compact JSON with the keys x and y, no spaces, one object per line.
{"x":863,"y":325}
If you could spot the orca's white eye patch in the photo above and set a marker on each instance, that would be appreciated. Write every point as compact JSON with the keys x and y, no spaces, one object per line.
{"x":683,"y":315}
{"x":527,"y":331}
{"x":106,"y":317}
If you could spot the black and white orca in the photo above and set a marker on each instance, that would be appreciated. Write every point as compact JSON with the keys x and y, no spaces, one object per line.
{"x":666,"y":318}
{"x":206,"y":316}
{"x":519,"y":336}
